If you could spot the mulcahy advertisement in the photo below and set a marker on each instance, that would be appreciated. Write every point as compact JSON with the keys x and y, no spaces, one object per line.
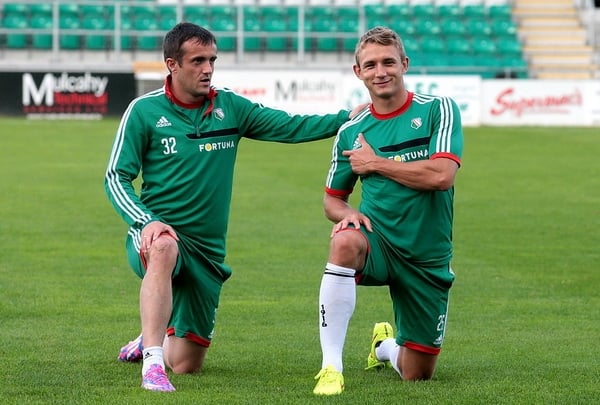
{"x":81,"y":95}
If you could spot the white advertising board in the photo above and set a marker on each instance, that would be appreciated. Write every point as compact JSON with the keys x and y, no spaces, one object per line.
{"x":317,"y":92}
{"x":541,"y":102}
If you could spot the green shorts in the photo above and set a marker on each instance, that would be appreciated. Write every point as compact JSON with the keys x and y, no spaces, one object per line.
{"x":196,"y":292}
{"x":419,"y":294}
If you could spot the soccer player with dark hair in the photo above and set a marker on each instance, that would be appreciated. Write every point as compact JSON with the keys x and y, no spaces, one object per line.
{"x":405,"y":149}
{"x":183,"y":140}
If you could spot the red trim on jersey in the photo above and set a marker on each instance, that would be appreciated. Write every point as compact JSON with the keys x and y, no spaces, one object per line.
{"x":421,"y":348}
{"x":337,"y":193}
{"x":393,"y":114}
{"x":190,"y":336}
{"x":446,"y":155}
{"x":212,"y":93}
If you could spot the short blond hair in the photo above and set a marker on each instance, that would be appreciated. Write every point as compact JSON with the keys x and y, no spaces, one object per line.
{"x":382,"y":36}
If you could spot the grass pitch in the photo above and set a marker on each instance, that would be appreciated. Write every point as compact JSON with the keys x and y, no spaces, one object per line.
{"x":524,"y":315}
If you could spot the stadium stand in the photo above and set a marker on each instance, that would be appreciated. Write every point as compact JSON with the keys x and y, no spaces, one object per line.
{"x":493,"y":38}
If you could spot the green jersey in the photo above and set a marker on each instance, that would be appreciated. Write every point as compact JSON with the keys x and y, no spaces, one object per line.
{"x":416,"y":223}
{"x":186,"y":156}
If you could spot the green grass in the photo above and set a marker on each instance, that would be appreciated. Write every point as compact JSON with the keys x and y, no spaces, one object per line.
{"x":524,"y":314}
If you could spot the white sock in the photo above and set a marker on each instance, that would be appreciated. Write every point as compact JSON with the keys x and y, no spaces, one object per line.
{"x":152,"y":355}
{"x":337,"y":298}
{"x":388,"y":349}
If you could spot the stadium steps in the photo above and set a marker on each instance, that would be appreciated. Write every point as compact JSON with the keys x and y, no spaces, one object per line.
{"x":554,"y":39}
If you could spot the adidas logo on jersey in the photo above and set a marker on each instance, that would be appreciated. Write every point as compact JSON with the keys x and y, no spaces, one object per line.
{"x":163,"y":122}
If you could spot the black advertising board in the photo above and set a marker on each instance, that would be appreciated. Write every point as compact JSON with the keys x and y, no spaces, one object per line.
{"x":66,"y":94}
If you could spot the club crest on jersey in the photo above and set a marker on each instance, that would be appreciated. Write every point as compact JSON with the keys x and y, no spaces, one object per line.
{"x":219,"y":114}
{"x":416,"y":123}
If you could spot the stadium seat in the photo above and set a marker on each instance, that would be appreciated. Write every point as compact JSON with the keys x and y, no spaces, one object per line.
{"x":453,"y":26}
{"x":458,"y":45}
{"x":503,"y":28}
{"x":500,"y":12}
{"x":225,"y":29}
{"x":275,"y":39}
{"x":509,"y":47}
{"x":427,"y":26}
{"x":404,"y":27}
{"x":347,"y":13}
{"x":252,"y":43}
{"x":375,"y":10}
{"x":67,"y":40}
{"x":424,"y":10}
{"x":86,"y":9}
{"x":449,"y":10}
{"x":478,"y":27}
{"x":483,"y":46}
{"x":411,"y":46}
{"x":146,"y":42}
{"x":399,"y":11}
{"x":68,"y":10}
{"x":17,"y":22}
{"x":14,"y":9}
{"x":475,"y":10}
{"x":432,"y":44}
{"x":44,"y":9}
{"x":41,"y":40}
{"x":92,"y":40}
{"x":193,"y":13}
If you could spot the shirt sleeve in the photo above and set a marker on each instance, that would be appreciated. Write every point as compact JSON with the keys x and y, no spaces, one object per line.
{"x":447,"y":134}
{"x":124,"y":166}
{"x":340,"y":178}
{"x":269,"y":124}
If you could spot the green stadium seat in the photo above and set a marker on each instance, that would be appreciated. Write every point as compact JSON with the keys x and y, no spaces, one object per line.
{"x":478,"y":27}
{"x":411,"y":46}
{"x":67,"y":40}
{"x":432,"y":44}
{"x":146,"y":42}
{"x":68,"y":9}
{"x":91,"y":40}
{"x":225,"y":29}
{"x":222,"y":11}
{"x":347,"y":13}
{"x":509,"y":46}
{"x":504,"y":28}
{"x":14,"y":9}
{"x":515,"y":64}
{"x":474,"y":10}
{"x":483,"y":46}
{"x":399,"y":11}
{"x":193,"y":13}
{"x":86,"y":9}
{"x":275,"y":40}
{"x":427,"y":26}
{"x":17,"y":22}
{"x":404,"y":27}
{"x":449,"y":10}
{"x":166,"y":22}
{"x":457,"y":45}
{"x":453,"y":26}
{"x":500,"y":11}
{"x":142,"y":11}
{"x":41,"y":40}
{"x":252,"y":43}
{"x":348,"y":25}
{"x":425,"y":10}
{"x":40,"y":9}
{"x":166,"y":11}
{"x":375,"y":10}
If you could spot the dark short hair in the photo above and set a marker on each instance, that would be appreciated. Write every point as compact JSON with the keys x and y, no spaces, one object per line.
{"x":382,"y":36}
{"x":181,"y":33}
